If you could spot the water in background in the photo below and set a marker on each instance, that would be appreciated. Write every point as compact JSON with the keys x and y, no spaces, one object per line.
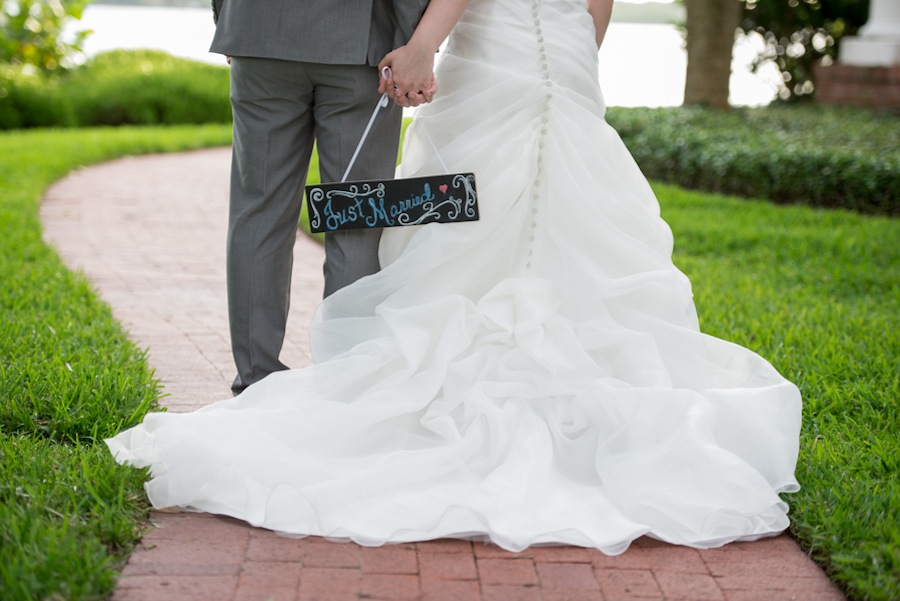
{"x":641,"y":64}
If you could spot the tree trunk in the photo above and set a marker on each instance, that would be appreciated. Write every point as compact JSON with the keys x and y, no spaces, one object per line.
{"x":711,"y":27}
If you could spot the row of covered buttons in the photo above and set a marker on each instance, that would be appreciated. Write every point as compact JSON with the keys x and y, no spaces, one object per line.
{"x":545,"y":75}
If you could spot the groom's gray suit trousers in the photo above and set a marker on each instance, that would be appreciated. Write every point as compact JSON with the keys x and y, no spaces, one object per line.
{"x":281,"y":108}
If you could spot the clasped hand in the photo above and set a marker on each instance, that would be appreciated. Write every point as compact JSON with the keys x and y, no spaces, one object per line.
{"x":409,"y":77}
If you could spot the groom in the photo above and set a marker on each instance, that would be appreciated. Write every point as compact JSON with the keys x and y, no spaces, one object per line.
{"x":301,"y":73}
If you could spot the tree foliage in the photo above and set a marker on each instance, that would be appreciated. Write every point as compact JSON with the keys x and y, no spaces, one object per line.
{"x":798,"y":33}
{"x":31,"y":33}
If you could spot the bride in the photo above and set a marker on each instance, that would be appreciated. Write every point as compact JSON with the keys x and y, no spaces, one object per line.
{"x":535,"y":377}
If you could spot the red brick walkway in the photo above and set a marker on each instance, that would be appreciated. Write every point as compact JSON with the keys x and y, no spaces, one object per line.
{"x":149,"y":233}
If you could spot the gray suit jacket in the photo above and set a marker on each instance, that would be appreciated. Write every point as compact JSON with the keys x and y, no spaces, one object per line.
{"x":349,"y":32}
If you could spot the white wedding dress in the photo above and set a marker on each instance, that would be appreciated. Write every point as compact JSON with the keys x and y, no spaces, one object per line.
{"x":535,"y":377}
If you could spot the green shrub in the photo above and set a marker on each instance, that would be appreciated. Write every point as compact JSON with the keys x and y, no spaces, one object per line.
{"x":820,"y":156}
{"x":148,"y":88}
{"x":31,"y":100}
{"x":143,"y":87}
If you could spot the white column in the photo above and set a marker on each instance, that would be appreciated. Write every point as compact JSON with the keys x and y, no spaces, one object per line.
{"x":878,"y":42}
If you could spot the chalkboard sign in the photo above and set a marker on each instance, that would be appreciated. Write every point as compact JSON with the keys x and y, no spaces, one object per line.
{"x":388,"y":203}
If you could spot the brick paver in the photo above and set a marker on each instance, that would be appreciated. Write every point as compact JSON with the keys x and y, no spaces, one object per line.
{"x":149,"y":232}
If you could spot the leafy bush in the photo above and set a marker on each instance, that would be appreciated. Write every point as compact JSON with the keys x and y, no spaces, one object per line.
{"x":31,"y":100}
{"x":143,"y":87}
{"x":820,"y":156}
{"x":31,"y":33}
{"x":146,"y":88}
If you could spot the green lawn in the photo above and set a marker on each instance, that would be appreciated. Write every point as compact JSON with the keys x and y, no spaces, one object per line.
{"x":68,"y":378}
{"x":816,"y":292}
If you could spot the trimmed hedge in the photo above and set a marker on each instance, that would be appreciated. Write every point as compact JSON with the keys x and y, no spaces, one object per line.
{"x":815,"y":155}
{"x":143,"y":87}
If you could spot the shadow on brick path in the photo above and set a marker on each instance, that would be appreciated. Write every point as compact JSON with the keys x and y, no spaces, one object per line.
{"x":149,"y":232}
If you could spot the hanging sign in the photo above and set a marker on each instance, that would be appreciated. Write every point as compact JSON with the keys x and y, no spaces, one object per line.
{"x":389,"y":203}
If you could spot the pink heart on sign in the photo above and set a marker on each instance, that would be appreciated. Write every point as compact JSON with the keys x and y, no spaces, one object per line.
{"x":443,"y":188}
